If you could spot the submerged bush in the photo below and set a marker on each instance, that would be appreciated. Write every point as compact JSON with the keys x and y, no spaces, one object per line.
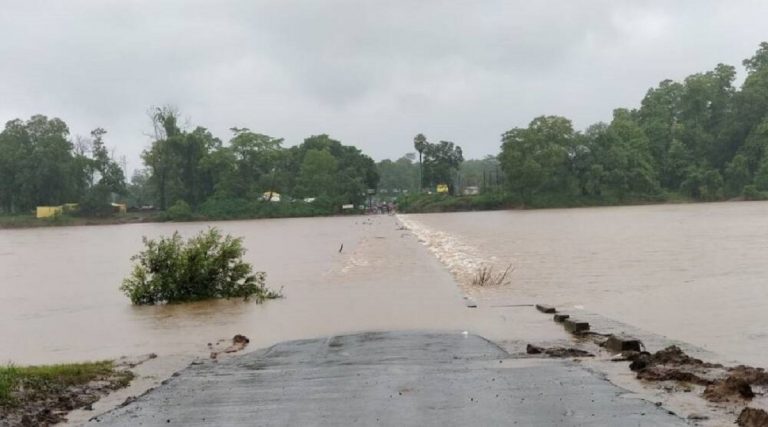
{"x":206,"y":266}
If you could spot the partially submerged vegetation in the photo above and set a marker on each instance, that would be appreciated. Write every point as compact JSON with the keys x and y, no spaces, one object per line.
{"x":208,"y":265}
{"x":42,"y":395}
{"x":486,"y":276}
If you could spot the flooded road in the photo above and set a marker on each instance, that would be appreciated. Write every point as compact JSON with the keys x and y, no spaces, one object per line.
{"x":696,"y":273}
{"x":59,"y":297}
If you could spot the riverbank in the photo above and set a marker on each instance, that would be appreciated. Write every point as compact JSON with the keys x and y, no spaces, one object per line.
{"x":30,"y":221}
{"x":411,"y":204}
{"x":439,"y":203}
{"x":43,"y":395}
{"x":229,"y":211}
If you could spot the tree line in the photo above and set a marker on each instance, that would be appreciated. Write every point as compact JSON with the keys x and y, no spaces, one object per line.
{"x":702,"y":138}
{"x":40,"y":165}
{"x":185,"y":171}
{"x":197,"y":171}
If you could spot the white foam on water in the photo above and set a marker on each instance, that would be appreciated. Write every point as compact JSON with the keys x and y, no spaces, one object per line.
{"x":461,"y":259}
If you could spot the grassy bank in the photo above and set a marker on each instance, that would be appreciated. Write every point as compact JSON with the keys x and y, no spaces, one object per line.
{"x":30,"y":221}
{"x":36,"y":395}
{"x":211,"y":210}
{"x":433,"y":203}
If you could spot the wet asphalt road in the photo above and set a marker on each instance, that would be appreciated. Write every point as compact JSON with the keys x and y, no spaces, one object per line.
{"x":392,"y":379}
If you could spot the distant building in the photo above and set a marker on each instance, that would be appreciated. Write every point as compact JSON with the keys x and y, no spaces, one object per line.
{"x":271,"y":196}
{"x":120,"y":208}
{"x":49,"y":211}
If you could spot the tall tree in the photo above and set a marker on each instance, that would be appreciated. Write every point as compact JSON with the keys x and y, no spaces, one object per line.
{"x":537,"y":158}
{"x":441,"y":162}
{"x":420,"y":144}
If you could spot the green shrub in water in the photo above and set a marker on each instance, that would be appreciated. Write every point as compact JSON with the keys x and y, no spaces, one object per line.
{"x":206,"y":266}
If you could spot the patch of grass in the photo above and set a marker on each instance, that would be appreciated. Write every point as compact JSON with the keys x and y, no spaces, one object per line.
{"x":39,"y":380}
{"x":428,"y":203}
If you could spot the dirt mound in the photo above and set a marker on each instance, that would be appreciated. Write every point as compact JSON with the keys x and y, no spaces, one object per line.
{"x":557,"y":351}
{"x":675,"y":356}
{"x":722,"y":384}
{"x":731,"y":389}
{"x":666,"y":373}
{"x":751,"y":417}
{"x":756,"y":376}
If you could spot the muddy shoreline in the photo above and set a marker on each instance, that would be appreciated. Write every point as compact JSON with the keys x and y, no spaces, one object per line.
{"x":711,"y":393}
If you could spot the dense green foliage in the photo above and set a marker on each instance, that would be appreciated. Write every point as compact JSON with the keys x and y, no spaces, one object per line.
{"x":701,"y":138}
{"x":199,"y":170}
{"x":427,"y":203}
{"x":39,"y":165}
{"x":438,"y":164}
{"x":206,"y":266}
{"x":402,"y":176}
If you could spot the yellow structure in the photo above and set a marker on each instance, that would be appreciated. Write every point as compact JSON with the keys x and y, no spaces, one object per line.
{"x":49,"y":211}
{"x":442,"y":188}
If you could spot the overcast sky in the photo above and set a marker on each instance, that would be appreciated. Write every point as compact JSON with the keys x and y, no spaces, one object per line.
{"x":370,"y":73}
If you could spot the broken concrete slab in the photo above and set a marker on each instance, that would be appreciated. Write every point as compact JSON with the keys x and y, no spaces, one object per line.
{"x":619,"y":343}
{"x":387,"y":378}
{"x":575,"y":326}
{"x":548,"y":309}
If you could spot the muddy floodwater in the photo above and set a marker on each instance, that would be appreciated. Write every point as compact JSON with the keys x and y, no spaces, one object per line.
{"x":59,"y":297}
{"x":696,"y":273}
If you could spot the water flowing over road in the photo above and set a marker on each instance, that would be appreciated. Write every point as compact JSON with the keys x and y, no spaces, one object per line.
{"x":694,"y":272}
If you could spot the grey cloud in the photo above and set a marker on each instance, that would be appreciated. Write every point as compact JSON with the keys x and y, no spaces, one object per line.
{"x":369,"y":73}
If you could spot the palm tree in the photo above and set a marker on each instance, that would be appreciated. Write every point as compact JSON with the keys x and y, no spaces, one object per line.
{"x":420,"y":143}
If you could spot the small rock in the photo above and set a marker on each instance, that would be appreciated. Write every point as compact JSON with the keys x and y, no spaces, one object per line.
{"x":532,"y":349}
{"x":697,"y":417}
{"x":560,"y":318}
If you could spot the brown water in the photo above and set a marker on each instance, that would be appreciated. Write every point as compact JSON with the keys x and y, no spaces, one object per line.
{"x":697,"y":273}
{"x":59,"y":297}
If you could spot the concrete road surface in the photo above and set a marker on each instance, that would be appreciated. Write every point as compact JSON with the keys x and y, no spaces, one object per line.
{"x":388,"y":378}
